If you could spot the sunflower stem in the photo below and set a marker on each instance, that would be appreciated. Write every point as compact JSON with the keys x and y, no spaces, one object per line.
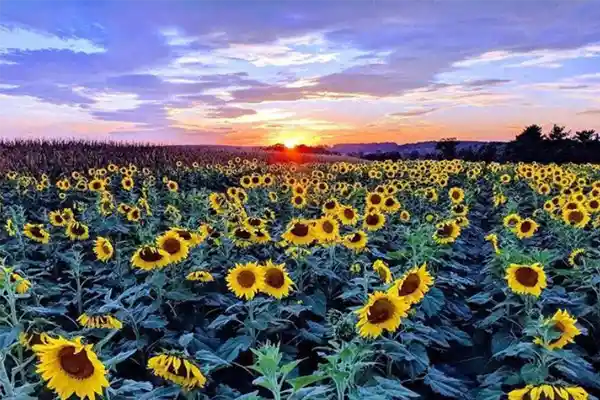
{"x":4,"y":381}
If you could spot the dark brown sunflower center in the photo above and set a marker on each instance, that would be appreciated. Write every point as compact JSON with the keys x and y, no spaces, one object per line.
{"x":456,"y":195}
{"x":242,"y":234}
{"x":381,"y":311}
{"x":410,"y":285}
{"x":445,"y":231}
{"x":526,"y":226}
{"x":185,"y":235}
{"x":330,"y":205}
{"x":375,"y":199}
{"x":300,"y":230}
{"x":575,"y":217}
{"x":348,"y":213}
{"x":171,"y":245}
{"x":135,"y":214}
{"x":459,"y":209}
{"x":372,"y":219}
{"x":275,"y":278}
{"x":298,"y":200}
{"x":150,"y":255}
{"x":328,"y":227}
{"x":267,"y":180}
{"x":35,"y":339}
{"x":594,"y":204}
{"x":58,"y":219}
{"x":36,"y":231}
{"x":246,"y":279}
{"x":578,"y":259}
{"x":389,"y":202}
{"x":255,"y":179}
{"x":179,"y":371}
{"x":105,"y":248}
{"x":96,"y":185}
{"x":571,"y":206}
{"x":77,"y":365}
{"x":254,"y":222}
{"x":527,"y":276}
{"x":77,"y":229}
{"x":246,"y":181}
{"x":356,"y":238}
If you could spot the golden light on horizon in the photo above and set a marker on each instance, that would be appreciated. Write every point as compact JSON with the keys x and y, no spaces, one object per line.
{"x":291,"y":139}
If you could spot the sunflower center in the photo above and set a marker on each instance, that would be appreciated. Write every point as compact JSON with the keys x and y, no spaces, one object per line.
{"x":356,"y":238}
{"x":150,"y":255}
{"x":246,"y":279}
{"x":254,"y":222}
{"x":375,"y":199}
{"x":578,"y":259}
{"x":78,"y":229}
{"x":298,"y":200}
{"x":348,"y":213}
{"x":381,"y":311}
{"x":330,"y":205}
{"x":58,"y":219}
{"x":255,"y":179}
{"x":242,"y":234}
{"x":96,"y":185}
{"x":105,"y":248}
{"x":171,"y":245}
{"x":526,"y":226}
{"x":327,"y":227}
{"x":36,"y":231}
{"x":77,"y":365}
{"x":575,"y":217}
{"x":300,"y":230}
{"x":275,"y":278}
{"x":410,"y":285}
{"x":527,"y":276}
{"x":389,"y":202}
{"x":372,"y":219}
{"x":180,"y":371}
{"x":185,"y":235}
{"x":445,"y":231}
{"x":455,"y":195}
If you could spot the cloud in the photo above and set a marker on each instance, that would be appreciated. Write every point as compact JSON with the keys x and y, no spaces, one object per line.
{"x":589,"y":112}
{"x":18,"y":38}
{"x":413,"y":113}
{"x":49,"y":93}
{"x":230,"y":112}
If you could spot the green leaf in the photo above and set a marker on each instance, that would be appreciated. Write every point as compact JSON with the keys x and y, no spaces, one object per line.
{"x":444,"y":385}
{"x":394,"y":389}
{"x":119,"y":358}
{"x":534,"y":374}
{"x":289,"y":367}
{"x":230,"y":350}
{"x":302,"y":381}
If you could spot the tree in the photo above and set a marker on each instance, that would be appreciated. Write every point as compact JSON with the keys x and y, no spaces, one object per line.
{"x":558,"y":133}
{"x":447,"y":148}
{"x":531,"y":134}
{"x":586,"y":136}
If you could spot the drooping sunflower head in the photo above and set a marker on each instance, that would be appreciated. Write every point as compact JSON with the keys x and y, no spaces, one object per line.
{"x":493,"y":239}
{"x":32,"y":338}
{"x":446,"y":232}
{"x":383,"y":271}
{"x":180,"y":370}
{"x":577,"y":258}
{"x":356,"y":241}
{"x":174,"y":245}
{"x":77,"y":231}
{"x":21,"y":285}
{"x":100,"y":321}
{"x":36,"y":232}
{"x":246,"y":280}
{"x":526,"y":279}
{"x":149,"y":257}
{"x":70,"y":367}
{"x":299,"y":232}
{"x":526,"y":228}
{"x":404,"y":216}
{"x":413,"y":285}
{"x":200,"y":276}
{"x":564,"y":330}
{"x":548,"y":392}
{"x":382,"y":312}
{"x":373,"y":220}
{"x":103,"y":249}
{"x":277,"y":282}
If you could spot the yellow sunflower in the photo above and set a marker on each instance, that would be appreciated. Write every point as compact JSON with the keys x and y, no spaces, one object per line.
{"x":36,"y":232}
{"x":383,"y":271}
{"x":277,"y":282}
{"x":356,"y":241}
{"x":174,"y":245}
{"x":576,"y":258}
{"x":70,"y":367}
{"x":299,"y":201}
{"x":526,"y":228}
{"x":382,"y":312}
{"x":327,"y":229}
{"x":413,"y":286}
{"x":200,"y":276}
{"x":299,"y":232}
{"x":150,"y":257}
{"x":56,"y":218}
{"x":179,"y":370}
{"x":30,"y":339}
{"x":577,"y":218}
{"x":548,"y":392}
{"x":330,"y":207}
{"x":526,"y":279}
{"x":190,"y":237}
{"x":133,"y":215}
{"x":21,"y":284}
{"x":456,"y":194}
{"x":127,"y":183}
{"x":374,"y":200}
{"x":245,"y":280}
{"x":373,"y":220}
{"x":511,"y":221}
{"x":493,"y":239}
{"x":404,"y":216}
{"x":446,"y":232}
{"x":104,"y":321}
{"x":77,"y":231}
{"x":564,"y":324}
{"x":97,"y":185}
{"x":172,"y":186}
{"x":347,"y":215}
{"x":103,"y":249}
{"x":242,"y":236}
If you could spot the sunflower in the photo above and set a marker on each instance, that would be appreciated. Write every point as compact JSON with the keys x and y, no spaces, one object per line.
{"x":273,"y":197}
{"x":174,"y":245}
{"x":217,"y":201}
{"x":356,"y":241}
{"x":56,"y":218}
{"x":374,"y":199}
{"x":299,"y":201}
{"x":390,"y":204}
{"x":70,"y":367}
{"x":456,"y":194}
{"x":493,"y":239}
{"x":97,"y":185}
{"x":191,"y":238}
{"x":327,"y":229}
{"x":149,"y":257}
{"x":201,"y":276}
{"x":254,"y":223}
{"x":564,"y":325}
{"x":413,"y":285}
{"x":277,"y":282}
{"x":330,"y":207}
{"x":576,"y":258}
{"x":299,"y":232}
{"x":383,"y":311}
{"x":373,"y":220}
{"x":21,"y":284}
{"x":242,"y":236}
{"x":260,"y":236}
{"x":9,"y":226}
{"x":511,"y":221}
{"x":179,"y":370}
{"x":245,"y":280}
{"x":347,"y":215}
{"x":548,"y":392}
{"x":446,"y":232}
{"x":383,"y":271}
{"x":104,"y":321}
{"x":36,"y":232}
{"x":172,"y":186}
{"x":133,"y":215}
{"x":459,"y":209}
{"x":28,"y":340}
{"x":77,"y":231}
{"x":404,"y":216}
{"x":577,"y":218}
{"x":526,"y":279}
{"x":526,"y":228}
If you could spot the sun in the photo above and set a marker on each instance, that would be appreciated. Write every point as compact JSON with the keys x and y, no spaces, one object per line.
{"x":290,"y":143}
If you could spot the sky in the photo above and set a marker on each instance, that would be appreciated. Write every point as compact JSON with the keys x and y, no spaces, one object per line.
{"x":313,"y":72}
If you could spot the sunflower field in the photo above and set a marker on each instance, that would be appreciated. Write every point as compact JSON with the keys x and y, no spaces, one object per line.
{"x":242,"y":278}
